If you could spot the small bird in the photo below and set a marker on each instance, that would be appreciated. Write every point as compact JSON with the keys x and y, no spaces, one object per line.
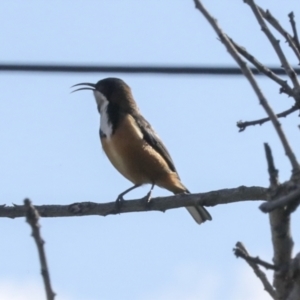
{"x":131,"y":144}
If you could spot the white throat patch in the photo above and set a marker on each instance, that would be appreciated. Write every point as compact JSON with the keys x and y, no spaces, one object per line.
{"x":102,"y":103}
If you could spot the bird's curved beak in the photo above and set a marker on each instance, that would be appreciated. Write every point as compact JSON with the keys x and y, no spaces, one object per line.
{"x":89,"y":86}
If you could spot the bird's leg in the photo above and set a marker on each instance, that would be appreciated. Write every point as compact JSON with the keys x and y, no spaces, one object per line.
{"x":147,"y":198}
{"x":120,"y":198}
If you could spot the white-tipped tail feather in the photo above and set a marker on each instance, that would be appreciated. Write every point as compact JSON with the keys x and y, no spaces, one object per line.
{"x":199,"y":213}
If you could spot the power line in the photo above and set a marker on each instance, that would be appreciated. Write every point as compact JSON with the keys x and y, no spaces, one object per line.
{"x":179,"y":70}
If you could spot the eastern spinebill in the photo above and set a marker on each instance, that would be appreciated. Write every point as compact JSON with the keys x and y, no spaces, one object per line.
{"x":131,"y":144}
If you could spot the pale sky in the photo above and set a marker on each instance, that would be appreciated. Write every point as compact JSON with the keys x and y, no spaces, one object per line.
{"x":51,"y":153}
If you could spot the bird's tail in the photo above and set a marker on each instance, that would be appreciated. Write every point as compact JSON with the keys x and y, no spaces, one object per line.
{"x":199,"y":213}
{"x":173,"y":184}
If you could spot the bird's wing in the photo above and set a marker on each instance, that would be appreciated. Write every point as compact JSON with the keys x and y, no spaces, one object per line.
{"x":153,"y":140}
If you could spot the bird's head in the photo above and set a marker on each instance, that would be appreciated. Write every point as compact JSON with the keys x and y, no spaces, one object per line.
{"x":112,"y":92}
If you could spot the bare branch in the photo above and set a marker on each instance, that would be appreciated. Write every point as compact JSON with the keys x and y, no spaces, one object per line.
{"x":280,"y":218}
{"x":162,"y":204}
{"x":269,"y":17}
{"x":243,"y":125}
{"x":275,"y":43}
{"x":285,"y":88}
{"x":273,"y":172}
{"x":293,"y":196}
{"x":248,"y":74}
{"x":280,"y":231}
{"x":32,"y":218}
{"x":282,"y":246}
{"x":294,"y":28}
{"x":240,"y":251}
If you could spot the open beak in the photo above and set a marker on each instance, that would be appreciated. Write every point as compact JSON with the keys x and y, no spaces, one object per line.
{"x":89,"y":86}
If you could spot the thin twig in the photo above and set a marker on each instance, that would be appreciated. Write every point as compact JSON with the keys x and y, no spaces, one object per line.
{"x":162,"y":204}
{"x":285,"y":88}
{"x":275,"y":43}
{"x":240,"y":251}
{"x":32,"y":217}
{"x":243,"y":125}
{"x":273,"y":172}
{"x":269,"y":17}
{"x":294,"y":28}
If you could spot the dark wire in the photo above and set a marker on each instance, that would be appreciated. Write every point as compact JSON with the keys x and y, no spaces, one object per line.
{"x":176,"y":70}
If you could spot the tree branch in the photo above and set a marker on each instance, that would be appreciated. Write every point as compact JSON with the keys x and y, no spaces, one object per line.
{"x":32,"y":218}
{"x":281,"y":202}
{"x":279,"y":219}
{"x":280,"y":224}
{"x":248,"y":74}
{"x":243,"y":125}
{"x":273,"y":172}
{"x":294,"y":28}
{"x":275,"y":43}
{"x":269,"y":17}
{"x":162,"y":204}
{"x":291,"y":73}
{"x":240,"y":251}
{"x":285,"y":88}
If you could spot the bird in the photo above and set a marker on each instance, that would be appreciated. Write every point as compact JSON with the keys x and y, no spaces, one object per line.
{"x":132,"y":145}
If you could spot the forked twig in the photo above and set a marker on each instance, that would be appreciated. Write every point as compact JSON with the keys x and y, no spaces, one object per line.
{"x":293,"y":76}
{"x":291,"y":41}
{"x":243,"y":125}
{"x":275,"y":43}
{"x":240,"y":251}
{"x":285,"y":88}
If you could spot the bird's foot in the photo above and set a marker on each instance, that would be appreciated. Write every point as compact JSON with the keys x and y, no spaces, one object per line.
{"x":119,"y":202}
{"x":147,"y":199}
